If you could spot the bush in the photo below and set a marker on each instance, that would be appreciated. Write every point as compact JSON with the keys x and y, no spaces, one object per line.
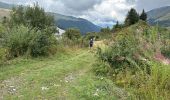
{"x":72,"y":34}
{"x":124,"y":52}
{"x":101,"y":68}
{"x":21,"y":40}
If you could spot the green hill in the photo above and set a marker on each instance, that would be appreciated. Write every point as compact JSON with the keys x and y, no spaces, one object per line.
{"x":160,"y":16}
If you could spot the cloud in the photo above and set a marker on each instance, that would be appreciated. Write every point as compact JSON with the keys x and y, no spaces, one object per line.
{"x":109,"y":11}
{"x":151,"y":4}
{"x":100,"y":12}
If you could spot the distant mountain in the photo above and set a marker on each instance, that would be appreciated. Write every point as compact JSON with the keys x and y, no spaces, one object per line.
{"x":65,"y":22}
{"x":5,"y":5}
{"x":62,"y":21}
{"x":160,"y":16}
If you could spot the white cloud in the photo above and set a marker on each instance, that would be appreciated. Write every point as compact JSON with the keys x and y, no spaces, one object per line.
{"x":101,"y":12}
{"x":108,"y":11}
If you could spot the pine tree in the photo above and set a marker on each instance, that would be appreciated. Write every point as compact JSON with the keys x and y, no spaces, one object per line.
{"x":132,"y":17}
{"x":116,"y":27}
{"x":143,"y":16}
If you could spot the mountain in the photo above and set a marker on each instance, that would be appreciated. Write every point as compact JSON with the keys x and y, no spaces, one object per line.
{"x":65,"y":22}
{"x":5,"y":5}
{"x":160,"y":16}
{"x":62,"y":21}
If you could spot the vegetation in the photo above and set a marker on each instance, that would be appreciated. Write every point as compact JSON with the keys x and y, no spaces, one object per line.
{"x":130,"y":62}
{"x":29,"y":31}
{"x":143,"y":16}
{"x":117,"y":27}
{"x":72,"y":34}
{"x":132,"y":17}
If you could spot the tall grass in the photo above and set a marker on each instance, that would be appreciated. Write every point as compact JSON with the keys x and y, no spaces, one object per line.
{"x":129,"y":62}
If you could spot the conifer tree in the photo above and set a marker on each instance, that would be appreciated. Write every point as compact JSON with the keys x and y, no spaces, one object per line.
{"x":132,"y":17}
{"x":143,"y":16}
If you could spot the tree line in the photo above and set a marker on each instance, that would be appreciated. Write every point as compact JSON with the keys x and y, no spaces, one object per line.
{"x":132,"y":18}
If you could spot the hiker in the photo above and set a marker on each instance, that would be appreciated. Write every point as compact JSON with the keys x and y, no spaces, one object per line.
{"x":91,"y":43}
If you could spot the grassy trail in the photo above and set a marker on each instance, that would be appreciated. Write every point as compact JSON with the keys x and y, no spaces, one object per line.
{"x":66,"y":76}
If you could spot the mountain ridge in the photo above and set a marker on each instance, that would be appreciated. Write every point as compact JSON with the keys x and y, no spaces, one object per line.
{"x":160,"y":16}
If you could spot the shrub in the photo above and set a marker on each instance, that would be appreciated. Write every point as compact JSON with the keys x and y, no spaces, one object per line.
{"x":72,"y":34}
{"x":91,"y":35}
{"x":21,"y":40}
{"x":101,"y":68}
{"x":124,"y":52}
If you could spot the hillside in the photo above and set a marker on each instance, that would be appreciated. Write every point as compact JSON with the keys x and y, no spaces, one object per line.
{"x":160,"y":16}
{"x":5,"y":5}
{"x":65,"y":22}
{"x":62,"y":21}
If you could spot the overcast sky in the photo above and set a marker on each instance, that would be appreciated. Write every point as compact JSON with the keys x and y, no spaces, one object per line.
{"x":100,"y":12}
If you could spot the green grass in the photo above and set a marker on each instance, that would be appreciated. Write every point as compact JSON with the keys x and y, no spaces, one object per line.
{"x":66,"y":75}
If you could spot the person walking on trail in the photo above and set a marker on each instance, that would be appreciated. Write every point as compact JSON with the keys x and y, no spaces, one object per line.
{"x":91,"y":43}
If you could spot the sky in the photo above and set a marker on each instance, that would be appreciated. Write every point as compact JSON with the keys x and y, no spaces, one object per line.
{"x":100,"y":12}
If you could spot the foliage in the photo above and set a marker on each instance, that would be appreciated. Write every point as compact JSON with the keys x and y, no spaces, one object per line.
{"x":29,"y":31}
{"x":117,"y":27}
{"x":132,"y":63}
{"x":21,"y":40}
{"x":148,"y":87}
{"x":143,"y":15}
{"x":132,"y":17}
{"x":72,"y":34}
{"x":91,"y":35}
{"x":33,"y":17}
{"x":124,"y":52}
{"x":105,"y":30}
{"x":101,"y":68}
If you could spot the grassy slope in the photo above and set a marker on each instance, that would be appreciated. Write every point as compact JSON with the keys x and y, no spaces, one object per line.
{"x":64,"y":76}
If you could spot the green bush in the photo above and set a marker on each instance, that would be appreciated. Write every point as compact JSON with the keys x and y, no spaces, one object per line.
{"x":72,"y":34}
{"x":101,"y":68}
{"x":21,"y":40}
{"x":124,"y":52}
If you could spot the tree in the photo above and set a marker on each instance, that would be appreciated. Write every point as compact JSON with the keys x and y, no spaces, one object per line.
{"x":105,"y":30}
{"x":72,"y":34}
{"x":32,"y":17}
{"x":132,"y":17}
{"x":143,"y":16}
{"x":117,"y":27}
